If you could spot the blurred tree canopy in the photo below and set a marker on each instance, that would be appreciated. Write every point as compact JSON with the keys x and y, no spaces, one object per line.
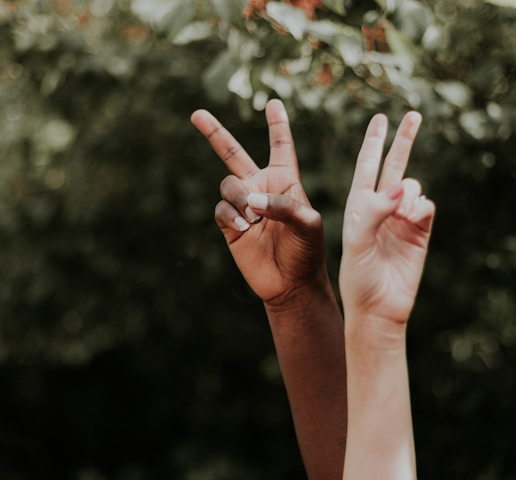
{"x":130,"y":347}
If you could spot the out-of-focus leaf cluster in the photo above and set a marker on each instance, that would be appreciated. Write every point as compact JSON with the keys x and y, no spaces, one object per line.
{"x":130,"y":346}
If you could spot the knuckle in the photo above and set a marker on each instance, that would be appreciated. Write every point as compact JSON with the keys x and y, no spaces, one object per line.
{"x":215,"y":131}
{"x":226,"y":184}
{"x":231,"y":151}
{"x":224,"y":213}
{"x":283,"y":206}
{"x":233,"y":190}
{"x":280,"y":142}
{"x":314,"y":219}
{"x":220,"y":209}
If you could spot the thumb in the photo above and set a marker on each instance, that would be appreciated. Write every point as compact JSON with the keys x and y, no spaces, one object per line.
{"x":365,"y":213}
{"x":285,"y":209}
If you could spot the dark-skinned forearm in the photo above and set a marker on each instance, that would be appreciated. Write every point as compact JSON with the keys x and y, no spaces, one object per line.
{"x":308,"y":333}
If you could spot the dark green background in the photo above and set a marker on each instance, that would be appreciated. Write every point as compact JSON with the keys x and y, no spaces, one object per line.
{"x":130,"y":347}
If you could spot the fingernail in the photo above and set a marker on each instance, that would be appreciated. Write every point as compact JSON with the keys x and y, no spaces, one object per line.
{"x":241,"y":224}
{"x":415,"y":119}
{"x":252,"y":216}
{"x":258,"y":200}
{"x":395,"y":192}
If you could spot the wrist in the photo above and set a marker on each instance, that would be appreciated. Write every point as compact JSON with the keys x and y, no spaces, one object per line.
{"x":304,"y":303}
{"x":371,"y":333}
{"x":301,"y":294}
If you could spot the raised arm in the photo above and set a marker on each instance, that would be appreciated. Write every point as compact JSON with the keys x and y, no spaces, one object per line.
{"x":276,"y":239}
{"x":387,"y":225}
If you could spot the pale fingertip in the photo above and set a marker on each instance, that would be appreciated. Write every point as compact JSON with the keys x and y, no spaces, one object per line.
{"x":194,"y":115}
{"x":197,"y":114}
{"x":252,"y":216}
{"x":259,"y":201}
{"x":282,"y":111}
{"x":377,"y":126}
{"x":241,"y":224}
{"x":414,"y":116}
{"x":415,"y":119}
{"x":380,"y":120}
{"x":380,"y":117}
{"x":275,"y":102}
{"x":276,"y":111}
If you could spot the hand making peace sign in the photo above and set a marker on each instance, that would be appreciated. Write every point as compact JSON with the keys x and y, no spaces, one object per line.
{"x":274,"y":234}
{"x":387,"y":224}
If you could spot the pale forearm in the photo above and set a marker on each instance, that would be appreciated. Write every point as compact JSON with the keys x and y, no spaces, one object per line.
{"x":308,"y":333}
{"x":380,"y":435}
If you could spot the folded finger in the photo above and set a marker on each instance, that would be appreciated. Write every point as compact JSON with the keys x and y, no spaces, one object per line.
{"x":411,"y":192}
{"x":228,"y":217}
{"x":224,"y":144}
{"x":422,"y":213}
{"x":235,"y":191}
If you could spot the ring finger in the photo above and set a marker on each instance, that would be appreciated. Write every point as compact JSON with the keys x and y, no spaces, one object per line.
{"x":411,"y":192}
{"x":234,"y":191}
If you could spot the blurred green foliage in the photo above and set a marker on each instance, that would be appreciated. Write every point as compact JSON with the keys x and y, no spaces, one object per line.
{"x":130,"y":347}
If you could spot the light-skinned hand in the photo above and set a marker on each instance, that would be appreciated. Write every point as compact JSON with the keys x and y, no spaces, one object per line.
{"x":387,"y":225}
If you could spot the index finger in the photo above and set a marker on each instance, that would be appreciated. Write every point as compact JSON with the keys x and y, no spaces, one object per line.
{"x":227,"y":148}
{"x":370,"y":155}
{"x":396,"y":161}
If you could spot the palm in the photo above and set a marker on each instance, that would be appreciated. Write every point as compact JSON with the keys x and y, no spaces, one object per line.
{"x":388,"y":270}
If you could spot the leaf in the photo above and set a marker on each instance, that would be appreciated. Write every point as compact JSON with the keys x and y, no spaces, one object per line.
{"x":229,"y":10}
{"x":217,"y":76}
{"x":412,"y":19}
{"x":56,"y":135}
{"x":351,"y":50}
{"x":240,"y":83}
{"x":387,"y":6}
{"x":503,"y":3}
{"x":329,"y":32}
{"x":337,"y":6}
{"x":476,"y":124}
{"x":284,"y":86}
{"x":292,"y":19}
{"x":177,"y":18}
{"x":194,"y":32}
{"x":153,"y":11}
{"x":456,"y":93}
{"x":347,"y":40}
{"x":169,"y":15}
{"x":399,"y":43}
